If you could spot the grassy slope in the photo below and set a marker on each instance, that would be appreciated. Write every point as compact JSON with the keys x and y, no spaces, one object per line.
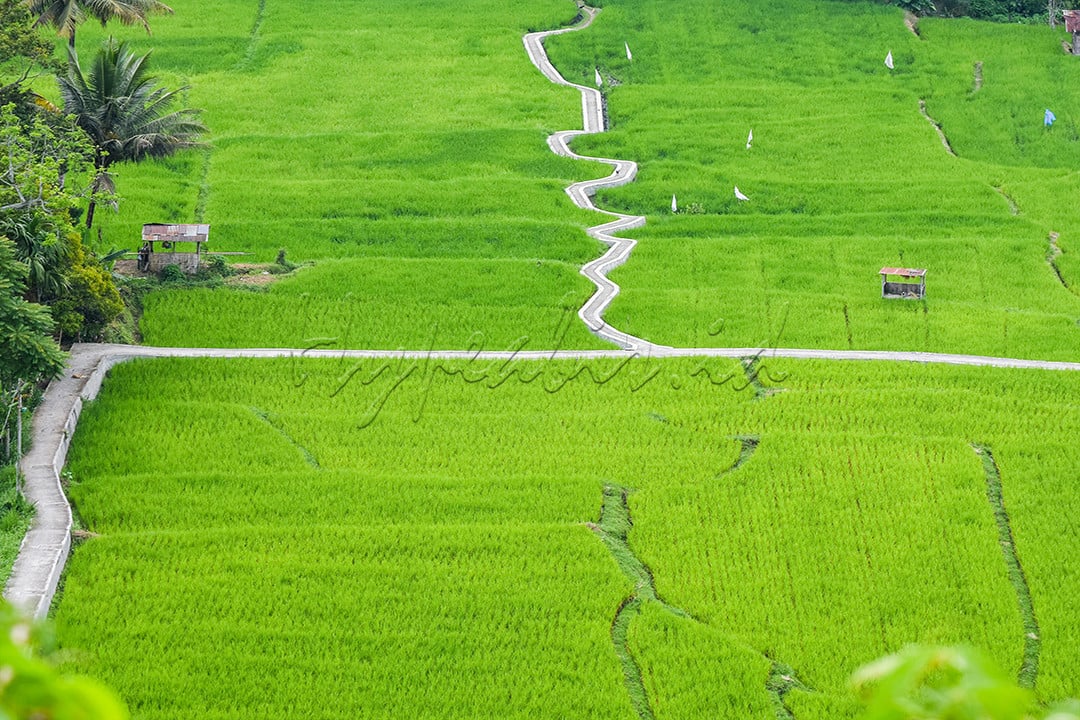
{"x":430,"y":558}
{"x":844,"y":177}
{"x":356,"y":131}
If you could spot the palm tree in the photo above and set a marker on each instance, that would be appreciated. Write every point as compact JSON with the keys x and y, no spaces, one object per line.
{"x":65,"y":15}
{"x":126,"y":116}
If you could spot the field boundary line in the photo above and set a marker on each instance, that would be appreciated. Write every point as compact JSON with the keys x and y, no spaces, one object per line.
{"x":1028,"y":673}
{"x":44,"y":550}
{"x":937,"y":127}
{"x":581,"y":193}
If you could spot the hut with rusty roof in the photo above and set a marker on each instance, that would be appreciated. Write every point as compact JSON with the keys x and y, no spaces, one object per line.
{"x":172,"y":244}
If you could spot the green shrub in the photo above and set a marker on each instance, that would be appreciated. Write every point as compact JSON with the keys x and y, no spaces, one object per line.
{"x":171,"y":273}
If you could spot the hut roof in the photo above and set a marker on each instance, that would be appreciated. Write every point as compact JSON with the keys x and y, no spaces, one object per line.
{"x":155,"y":232}
{"x":904,"y":272}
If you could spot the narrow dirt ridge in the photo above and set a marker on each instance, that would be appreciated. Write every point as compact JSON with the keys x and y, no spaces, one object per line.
{"x":275,"y":423}
{"x":1029,"y":667}
{"x":624,"y":171}
{"x":937,"y":127}
{"x":612,"y":527}
{"x":911,"y":22}
{"x":1014,"y":209}
{"x":1052,"y":254}
{"x":782,"y":681}
{"x":253,"y":37}
{"x":749,"y":447}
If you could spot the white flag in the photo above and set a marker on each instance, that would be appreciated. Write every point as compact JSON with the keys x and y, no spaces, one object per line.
{"x":674,"y":205}
{"x":888,"y":60}
{"x":599,"y":80}
{"x":749,"y":139}
{"x":738,"y":194}
{"x":628,"y":55}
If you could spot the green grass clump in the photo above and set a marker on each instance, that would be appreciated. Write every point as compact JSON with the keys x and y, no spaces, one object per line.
{"x":15,"y":516}
{"x":283,"y":533}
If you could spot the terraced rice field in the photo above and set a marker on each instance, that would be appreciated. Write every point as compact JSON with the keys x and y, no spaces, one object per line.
{"x":535,"y":538}
{"x":635,"y":538}
{"x":403,"y":141}
{"x":844,"y":176}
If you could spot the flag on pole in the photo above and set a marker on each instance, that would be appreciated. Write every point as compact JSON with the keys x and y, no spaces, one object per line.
{"x":674,"y":205}
{"x":628,"y":55}
{"x":888,"y":60}
{"x":1049,"y":118}
{"x":739,"y":196}
{"x":750,"y":139}
{"x":599,"y":80}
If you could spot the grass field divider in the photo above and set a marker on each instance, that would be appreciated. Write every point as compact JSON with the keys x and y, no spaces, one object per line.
{"x":275,"y":422}
{"x":782,"y":681}
{"x":613,"y":528}
{"x":748,"y":446}
{"x":937,"y":127}
{"x":253,"y":37}
{"x":1029,"y":667}
{"x":623,"y":172}
{"x":1053,"y":252}
{"x":202,"y":199}
{"x":1014,"y":209}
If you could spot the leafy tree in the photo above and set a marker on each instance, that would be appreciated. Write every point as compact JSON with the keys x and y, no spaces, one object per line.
{"x":31,"y":688}
{"x":66,"y":15}
{"x":89,"y":303}
{"x":36,"y":215}
{"x":22,"y":50}
{"x":944,"y":683}
{"x":126,"y":115}
{"x":29,"y":352}
{"x":36,"y":245}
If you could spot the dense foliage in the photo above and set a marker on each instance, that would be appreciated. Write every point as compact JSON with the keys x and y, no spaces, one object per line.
{"x":1001,"y":10}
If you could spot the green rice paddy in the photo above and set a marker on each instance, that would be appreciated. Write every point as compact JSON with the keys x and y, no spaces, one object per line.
{"x":630,"y":539}
{"x":844,"y":176}
{"x":374,"y":542}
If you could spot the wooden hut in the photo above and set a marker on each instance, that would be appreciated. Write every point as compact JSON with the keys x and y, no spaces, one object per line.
{"x":180,"y":245}
{"x":1072,"y":25}
{"x":908,"y":283}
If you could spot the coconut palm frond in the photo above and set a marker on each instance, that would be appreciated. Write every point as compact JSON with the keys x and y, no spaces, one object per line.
{"x":125,"y":113}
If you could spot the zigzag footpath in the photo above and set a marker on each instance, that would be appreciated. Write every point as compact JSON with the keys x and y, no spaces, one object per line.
{"x":624,"y":171}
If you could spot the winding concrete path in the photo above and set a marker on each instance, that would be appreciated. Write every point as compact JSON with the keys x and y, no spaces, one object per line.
{"x":623,"y":172}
